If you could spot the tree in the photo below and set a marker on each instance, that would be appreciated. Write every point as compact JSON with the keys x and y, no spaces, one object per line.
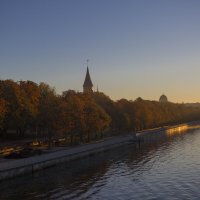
{"x":3,"y":111}
{"x":95,"y":119}
{"x":10,"y":92}
{"x":48,"y":111}
{"x":70,"y":115}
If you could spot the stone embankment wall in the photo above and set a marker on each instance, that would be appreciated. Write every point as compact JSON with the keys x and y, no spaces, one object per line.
{"x":157,"y":134}
{"x":12,"y":168}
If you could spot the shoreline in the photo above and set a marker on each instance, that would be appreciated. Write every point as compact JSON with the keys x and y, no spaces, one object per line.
{"x":16,"y":167}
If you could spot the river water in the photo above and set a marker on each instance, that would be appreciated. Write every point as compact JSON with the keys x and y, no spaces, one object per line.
{"x":163,"y":167}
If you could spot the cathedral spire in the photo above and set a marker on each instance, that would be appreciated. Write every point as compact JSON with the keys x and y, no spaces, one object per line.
{"x":97,"y":88}
{"x":87,"y":86}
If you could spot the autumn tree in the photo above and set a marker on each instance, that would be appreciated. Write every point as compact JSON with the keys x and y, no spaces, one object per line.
{"x":48,"y":111}
{"x":10,"y":92}
{"x":3,"y":111}
{"x":72,"y":114}
{"x":96,"y":120}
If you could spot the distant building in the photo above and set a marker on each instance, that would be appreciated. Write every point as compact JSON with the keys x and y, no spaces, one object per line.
{"x":87,"y":86}
{"x":163,"y":99}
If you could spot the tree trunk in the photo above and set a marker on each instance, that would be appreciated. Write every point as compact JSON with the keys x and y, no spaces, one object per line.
{"x":49,"y":138}
{"x":96,"y":135}
{"x":88,"y":136}
{"x":71,"y":138}
{"x":81,"y":137}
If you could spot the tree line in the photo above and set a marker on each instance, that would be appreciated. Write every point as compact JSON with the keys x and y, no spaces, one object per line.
{"x":28,"y":108}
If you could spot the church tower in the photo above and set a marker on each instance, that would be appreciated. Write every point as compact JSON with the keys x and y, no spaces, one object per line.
{"x":87,"y":86}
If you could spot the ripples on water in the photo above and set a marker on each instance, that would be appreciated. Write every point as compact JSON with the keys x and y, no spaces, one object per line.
{"x":164,"y":168}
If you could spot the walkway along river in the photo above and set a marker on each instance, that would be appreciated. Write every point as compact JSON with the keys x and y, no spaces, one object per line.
{"x":11,"y":168}
{"x":164,"y":168}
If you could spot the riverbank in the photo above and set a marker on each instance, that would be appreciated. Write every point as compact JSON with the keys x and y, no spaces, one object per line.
{"x":12,"y":168}
{"x":15,"y":167}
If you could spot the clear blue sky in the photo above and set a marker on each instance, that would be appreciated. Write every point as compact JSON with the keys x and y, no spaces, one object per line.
{"x":136,"y":48}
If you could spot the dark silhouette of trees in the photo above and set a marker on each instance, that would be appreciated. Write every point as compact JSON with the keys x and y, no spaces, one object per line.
{"x":29,"y":108}
{"x":3,"y":110}
{"x":82,"y":116}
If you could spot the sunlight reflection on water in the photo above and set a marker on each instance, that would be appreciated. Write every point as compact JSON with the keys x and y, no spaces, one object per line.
{"x":168,"y":168}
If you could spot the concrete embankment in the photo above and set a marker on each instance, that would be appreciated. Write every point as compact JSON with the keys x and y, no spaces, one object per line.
{"x":170,"y":129}
{"x":12,"y":168}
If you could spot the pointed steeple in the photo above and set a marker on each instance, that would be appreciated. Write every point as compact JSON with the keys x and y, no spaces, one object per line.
{"x":97,"y":88}
{"x":87,"y":86}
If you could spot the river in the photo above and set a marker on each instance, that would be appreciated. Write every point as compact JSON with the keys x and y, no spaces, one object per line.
{"x":163,"y":167}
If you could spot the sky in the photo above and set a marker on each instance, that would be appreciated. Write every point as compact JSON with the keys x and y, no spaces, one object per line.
{"x":136,"y":48}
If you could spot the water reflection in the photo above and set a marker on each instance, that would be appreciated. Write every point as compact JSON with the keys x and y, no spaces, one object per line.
{"x":162,"y":167}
